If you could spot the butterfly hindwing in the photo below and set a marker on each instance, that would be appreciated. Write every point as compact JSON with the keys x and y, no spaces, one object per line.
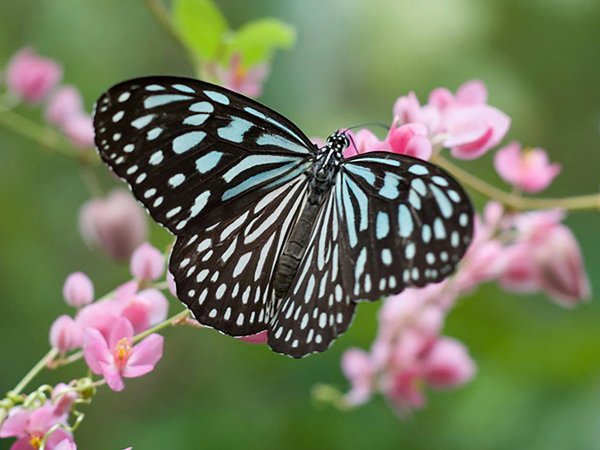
{"x":224,"y":274}
{"x":317,"y":309}
{"x":192,"y":152}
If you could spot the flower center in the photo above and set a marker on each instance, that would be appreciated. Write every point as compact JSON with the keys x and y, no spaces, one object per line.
{"x":122,"y":352}
{"x":36,"y":441}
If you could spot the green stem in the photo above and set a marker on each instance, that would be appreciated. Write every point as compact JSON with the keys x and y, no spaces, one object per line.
{"x":516,"y":201}
{"x":173,"y":320}
{"x":42,"y":363}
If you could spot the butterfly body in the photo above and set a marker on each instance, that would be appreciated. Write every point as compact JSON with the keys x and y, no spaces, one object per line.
{"x":274,"y":233}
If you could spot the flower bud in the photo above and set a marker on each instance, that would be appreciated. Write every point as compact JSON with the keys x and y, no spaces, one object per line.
{"x":65,"y":334}
{"x":63,"y":397}
{"x":147,"y":262}
{"x":79,"y":130}
{"x":32,"y":77}
{"x":66,"y":102}
{"x":78,"y":290}
{"x":116,"y":225}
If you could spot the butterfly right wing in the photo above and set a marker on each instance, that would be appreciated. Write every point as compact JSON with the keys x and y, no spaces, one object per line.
{"x":224,"y":274}
{"x":192,"y":152}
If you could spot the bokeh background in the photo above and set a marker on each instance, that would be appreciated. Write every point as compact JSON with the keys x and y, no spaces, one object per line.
{"x":538,"y":381}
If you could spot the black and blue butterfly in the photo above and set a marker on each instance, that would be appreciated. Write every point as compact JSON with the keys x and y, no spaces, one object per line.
{"x":274,"y":233}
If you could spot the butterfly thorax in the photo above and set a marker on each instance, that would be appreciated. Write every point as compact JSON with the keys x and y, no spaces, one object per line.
{"x":324,"y":170}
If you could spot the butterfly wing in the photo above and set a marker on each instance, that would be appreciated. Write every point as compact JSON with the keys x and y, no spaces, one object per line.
{"x":317,"y":309}
{"x":192,"y":152}
{"x":224,"y":173}
{"x":224,"y":274}
{"x":389,"y":222}
{"x":406,"y":223}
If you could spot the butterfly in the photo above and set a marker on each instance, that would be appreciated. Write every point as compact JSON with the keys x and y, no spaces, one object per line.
{"x":273,"y":232}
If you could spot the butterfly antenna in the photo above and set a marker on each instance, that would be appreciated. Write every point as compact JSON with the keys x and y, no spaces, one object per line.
{"x":368,"y":124}
{"x":349,"y":136}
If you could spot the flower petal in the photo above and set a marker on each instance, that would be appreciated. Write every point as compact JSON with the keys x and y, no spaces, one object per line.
{"x":113,"y":377}
{"x":122,"y":329}
{"x":95,"y":350}
{"x":144,"y":356}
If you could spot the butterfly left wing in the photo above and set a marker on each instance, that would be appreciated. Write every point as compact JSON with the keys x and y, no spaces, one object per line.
{"x":192,"y":152}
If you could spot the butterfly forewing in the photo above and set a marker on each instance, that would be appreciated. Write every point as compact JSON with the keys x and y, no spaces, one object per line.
{"x":406,"y":223}
{"x":193,"y":152}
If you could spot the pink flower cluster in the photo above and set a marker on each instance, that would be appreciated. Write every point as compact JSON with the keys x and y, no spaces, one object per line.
{"x":523,"y":252}
{"x":105,"y":328}
{"x":35,"y":80}
{"x":30,"y":426}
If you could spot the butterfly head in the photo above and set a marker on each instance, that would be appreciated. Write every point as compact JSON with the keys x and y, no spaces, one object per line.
{"x":338,"y":141}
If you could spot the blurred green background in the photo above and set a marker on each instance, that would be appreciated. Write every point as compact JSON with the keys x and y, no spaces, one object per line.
{"x":538,"y":384}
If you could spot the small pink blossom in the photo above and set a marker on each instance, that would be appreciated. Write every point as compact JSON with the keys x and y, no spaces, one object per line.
{"x":410,"y":140}
{"x":245,"y":80}
{"x":79,"y":130}
{"x":529,"y":170}
{"x":448,"y":364}
{"x":145,"y":309}
{"x":78,"y":290}
{"x":119,"y":358}
{"x":408,"y":110}
{"x":560,"y":268}
{"x":31,"y":76}
{"x":258,"y":338}
{"x":65,"y":334}
{"x":359,"y":369}
{"x":100,"y":316}
{"x":363,"y":141}
{"x":65,"y":103}
{"x":519,"y":274}
{"x":147,"y":262}
{"x":115,"y":224}
{"x":30,"y":427}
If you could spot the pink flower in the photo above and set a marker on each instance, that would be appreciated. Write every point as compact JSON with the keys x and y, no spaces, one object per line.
{"x":360,"y":371}
{"x":78,"y":290}
{"x":65,"y":103}
{"x":448,"y":364}
{"x":118,"y":358}
{"x":116,"y":224}
{"x":30,"y":427}
{"x":519,"y":273}
{"x":560,"y":268}
{"x":147,"y":262}
{"x":363,"y":141}
{"x":100,"y":316}
{"x":32,"y":77}
{"x":473,"y":127}
{"x":555,"y":255}
{"x":411,"y":140}
{"x":529,"y":170}
{"x":237,"y":77}
{"x":408,"y":110}
{"x":65,"y":334}
{"x":258,"y":338}
{"x":145,"y":309}
{"x":79,"y":130}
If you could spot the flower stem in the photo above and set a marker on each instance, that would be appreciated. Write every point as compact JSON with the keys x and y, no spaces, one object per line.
{"x":516,"y":201}
{"x":171,"y":321}
{"x":46,"y":137}
{"x":34,"y":371}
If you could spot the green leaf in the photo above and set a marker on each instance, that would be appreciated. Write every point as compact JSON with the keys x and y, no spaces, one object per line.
{"x":256,"y":41}
{"x":201,"y":26}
